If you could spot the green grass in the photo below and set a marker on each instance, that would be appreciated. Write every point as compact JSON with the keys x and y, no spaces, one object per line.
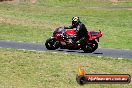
{"x":32,"y":34}
{"x":35,"y":22}
{"x":28,"y":69}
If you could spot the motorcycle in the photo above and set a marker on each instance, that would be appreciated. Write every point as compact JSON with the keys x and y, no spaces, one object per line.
{"x":66,"y":39}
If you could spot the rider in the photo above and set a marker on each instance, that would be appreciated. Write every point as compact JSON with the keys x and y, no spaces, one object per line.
{"x":81,"y":29}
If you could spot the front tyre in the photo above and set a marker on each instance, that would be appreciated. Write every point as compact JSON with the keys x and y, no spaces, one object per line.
{"x":90,"y":47}
{"x":51,"y":44}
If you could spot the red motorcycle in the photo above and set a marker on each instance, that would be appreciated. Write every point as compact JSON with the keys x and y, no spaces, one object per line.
{"x":66,"y":39}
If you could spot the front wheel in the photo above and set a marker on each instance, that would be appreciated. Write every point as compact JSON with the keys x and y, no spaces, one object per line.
{"x":90,"y":47}
{"x":51,"y":44}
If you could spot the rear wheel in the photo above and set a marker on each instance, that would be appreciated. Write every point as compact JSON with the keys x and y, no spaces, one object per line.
{"x":90,"y":47}
{"x":51,"y":44}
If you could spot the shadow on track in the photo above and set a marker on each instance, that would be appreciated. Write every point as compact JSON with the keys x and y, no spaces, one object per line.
{"x":78,"y":51}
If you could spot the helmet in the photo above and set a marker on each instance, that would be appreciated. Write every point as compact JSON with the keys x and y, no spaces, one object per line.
{"x":75,"y":20}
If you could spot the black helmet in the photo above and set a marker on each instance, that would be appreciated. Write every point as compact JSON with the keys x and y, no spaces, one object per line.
{"x":75,"y":20}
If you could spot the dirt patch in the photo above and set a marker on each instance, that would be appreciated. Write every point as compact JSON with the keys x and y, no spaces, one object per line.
{"x":33,"y":1}
{"x":114,"y":2}
{"x":5,"y":0}
{"x":129,"y":8}
{"x":19,"y":1}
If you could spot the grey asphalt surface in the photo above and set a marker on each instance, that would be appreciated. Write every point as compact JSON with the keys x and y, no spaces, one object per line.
{"x":117,"y":53}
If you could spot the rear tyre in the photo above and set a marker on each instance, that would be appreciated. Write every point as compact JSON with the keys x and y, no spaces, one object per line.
{"x":51,"y":44}
{"x":90,"y":47}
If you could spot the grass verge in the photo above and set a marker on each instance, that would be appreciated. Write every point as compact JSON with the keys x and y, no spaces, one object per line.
{"x":28,"y":69}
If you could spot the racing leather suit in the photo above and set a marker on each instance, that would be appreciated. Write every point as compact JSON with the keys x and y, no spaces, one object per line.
{"x":81,"y":31}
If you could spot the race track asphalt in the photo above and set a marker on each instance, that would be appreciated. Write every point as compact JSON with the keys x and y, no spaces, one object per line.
{"x":116,"y":53}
